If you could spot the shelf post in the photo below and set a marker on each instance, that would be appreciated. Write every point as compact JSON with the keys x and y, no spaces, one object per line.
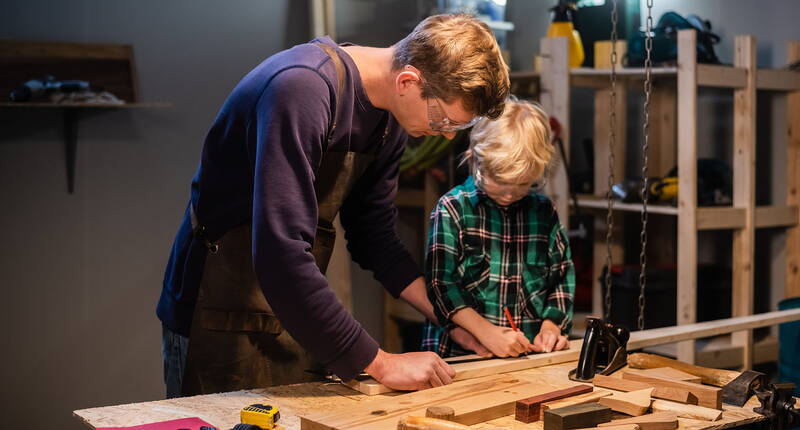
{"x":744,"y":192}
{"x":792,"y":278}
{"x":687,"y":180}
{"x":70,"y":145}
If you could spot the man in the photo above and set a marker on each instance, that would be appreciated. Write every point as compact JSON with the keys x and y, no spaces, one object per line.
{"x":314,"y":131}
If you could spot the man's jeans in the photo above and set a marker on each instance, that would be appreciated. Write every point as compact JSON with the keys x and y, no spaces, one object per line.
{"x":173,"y":350}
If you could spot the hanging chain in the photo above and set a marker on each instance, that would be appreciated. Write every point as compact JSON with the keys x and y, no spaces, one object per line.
{"x":612,"y":137}
{"x":648,"y":86}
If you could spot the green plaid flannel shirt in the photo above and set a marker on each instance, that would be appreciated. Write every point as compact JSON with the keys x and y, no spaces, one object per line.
{"x":489,"y":257}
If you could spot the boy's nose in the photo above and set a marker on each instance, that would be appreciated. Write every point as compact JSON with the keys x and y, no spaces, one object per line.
{"x":449,"y":134}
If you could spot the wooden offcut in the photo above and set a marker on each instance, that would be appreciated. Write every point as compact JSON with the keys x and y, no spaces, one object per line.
{"x":657,"y":421}
{"x":715,"y":377}
{"x":576,"y":400}
{"x":427,"y":423}
{"x":633,"y":403}
{"x":671,"y":373}
{"x":440,"y":412}
{"x":577,"y":416}
{"x":615,"y":427}
{"x":527,"y":410}
{"x":686,"y":411}
{"x":661,"y":392}
{"x":707,"y":396}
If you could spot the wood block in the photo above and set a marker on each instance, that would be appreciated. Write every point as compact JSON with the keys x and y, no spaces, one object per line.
{"x":616,"y":427}
{"x":671,"y":373}
{"x":602,"y":53}
{"x":577,"y":416}
{"x":426,"y":423}
{"x":657,"y":421}
{"x":662,"y":392}
{"x":710,"y":397}
{"x":440,"y":412}
{"x":687,"y":411}
{"x":576,"y":400}
{"x":633,"y":403}
{"x":527,"y":410}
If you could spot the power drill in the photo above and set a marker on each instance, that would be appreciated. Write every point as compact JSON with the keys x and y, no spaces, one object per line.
{"x":38,"y":88}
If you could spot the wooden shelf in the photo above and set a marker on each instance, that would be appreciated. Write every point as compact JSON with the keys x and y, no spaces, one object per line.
{"x":148,"y":105}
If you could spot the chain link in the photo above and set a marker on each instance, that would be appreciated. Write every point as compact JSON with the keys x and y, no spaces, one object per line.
{"x":648,"y":87}
{"x":612,"y":137}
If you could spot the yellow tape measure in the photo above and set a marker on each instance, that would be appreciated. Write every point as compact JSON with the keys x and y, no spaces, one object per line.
{"x":264,"y":416}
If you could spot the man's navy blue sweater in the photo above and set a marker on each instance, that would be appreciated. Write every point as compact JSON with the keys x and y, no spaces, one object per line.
{"x":258,"y":166}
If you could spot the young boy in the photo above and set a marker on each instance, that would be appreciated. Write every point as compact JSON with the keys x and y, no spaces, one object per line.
{"x":495,"y":244}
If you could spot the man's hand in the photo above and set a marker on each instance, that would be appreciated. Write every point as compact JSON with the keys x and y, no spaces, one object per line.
{"x":410,"y":371}
{"x":549,"y":338}
{"x":467,"y":341}
{"x":504,"y":341}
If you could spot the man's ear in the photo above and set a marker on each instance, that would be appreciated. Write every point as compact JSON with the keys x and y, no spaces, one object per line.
{"x":408,"y":79}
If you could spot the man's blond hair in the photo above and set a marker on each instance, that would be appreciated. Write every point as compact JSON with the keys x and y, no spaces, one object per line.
{"x":516,"y":147}
{"x":459,"y":57}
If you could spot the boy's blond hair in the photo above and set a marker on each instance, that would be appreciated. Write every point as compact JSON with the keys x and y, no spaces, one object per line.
{"x":459,"y":58}
{"x":514,"y":148}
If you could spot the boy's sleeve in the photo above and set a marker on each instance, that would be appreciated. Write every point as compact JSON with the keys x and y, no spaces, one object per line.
{"x":442,"y":270}
{"x":561,"y":278}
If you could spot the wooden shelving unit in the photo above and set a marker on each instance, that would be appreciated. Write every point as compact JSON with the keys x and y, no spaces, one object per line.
{"x":674,"y":141}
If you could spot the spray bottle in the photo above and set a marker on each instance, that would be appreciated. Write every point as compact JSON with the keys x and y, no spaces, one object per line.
{"x":562,"y":26}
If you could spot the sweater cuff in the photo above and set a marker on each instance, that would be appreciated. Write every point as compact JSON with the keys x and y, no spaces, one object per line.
{"x":401,"y":274}
{"x":354,"y":360}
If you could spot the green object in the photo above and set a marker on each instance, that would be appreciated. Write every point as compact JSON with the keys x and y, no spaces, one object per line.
{"x":789,"y":341}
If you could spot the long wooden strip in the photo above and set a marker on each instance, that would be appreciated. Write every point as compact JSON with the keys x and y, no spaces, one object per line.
{"x":669,"y":372}
{"x":639,"y":339}
{"x":710,"y":397}
{"x":715,"y":377}
{"x":686,"y":411}
{"x":633,"y":403}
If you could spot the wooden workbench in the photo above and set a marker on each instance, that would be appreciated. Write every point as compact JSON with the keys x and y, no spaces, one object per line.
{"x":222,"y":410}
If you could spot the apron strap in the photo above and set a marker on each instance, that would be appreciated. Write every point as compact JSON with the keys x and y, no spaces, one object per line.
{"x":337,"y":63}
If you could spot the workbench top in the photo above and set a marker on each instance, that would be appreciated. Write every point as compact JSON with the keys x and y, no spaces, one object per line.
{"x":222,"y":410}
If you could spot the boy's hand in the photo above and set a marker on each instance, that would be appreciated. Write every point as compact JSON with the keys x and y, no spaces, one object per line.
{"x":549,"y":338}
{"x":504,"y":342}
{"x":467,"y":341}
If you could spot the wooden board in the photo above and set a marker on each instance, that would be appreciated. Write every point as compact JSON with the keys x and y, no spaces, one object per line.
{"x":792,"y":276}
{"x":473,"y":401}
{"x":577,"y":416}
{"x":715,"y":377}
{"x":687,"y":411}
{"x":710,"y":397}
{"x":672,"y":373}
{"x":632,"y":403}
{"x":657,"y":421}
{"x":638,"y":340}
{"x":661,"y":392}
{"x":528,"y":409}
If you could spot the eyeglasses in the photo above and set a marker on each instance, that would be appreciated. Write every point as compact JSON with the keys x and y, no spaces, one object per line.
{"x":438,"y":120}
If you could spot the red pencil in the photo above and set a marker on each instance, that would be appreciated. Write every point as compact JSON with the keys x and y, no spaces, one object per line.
{"x":510,"y":320}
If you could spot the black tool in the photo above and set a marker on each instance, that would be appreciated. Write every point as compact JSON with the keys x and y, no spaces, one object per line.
{"x":777,"y":404}
{"x":38,"y":88}
{"x":603,"y":350}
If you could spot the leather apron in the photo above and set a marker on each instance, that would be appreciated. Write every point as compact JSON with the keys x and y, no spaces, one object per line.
{"x":236,"y":341}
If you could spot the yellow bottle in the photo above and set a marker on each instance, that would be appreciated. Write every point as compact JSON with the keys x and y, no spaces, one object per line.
{"x":562,"y":27}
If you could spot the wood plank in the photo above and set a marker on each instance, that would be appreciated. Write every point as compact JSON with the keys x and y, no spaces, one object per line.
{"x":744,"y":192}
{"x":708,"y":396}
{"x":18,"y":49}
{"x":576,"y":400}
{"x":657,"y":421}
{"x":602,"y":53}
{"x":710,"y":376}
{"x":778,"y":80}
{"x":687,"y":182}
{"x":686,"y":411}
{"x":670,"y":372}
{"x":528,"y":410}
{"x":638,"y":340}
{"x":555,"y":99}
{"x":577,"y":416}
{"x":473,"y":401}
{"x":615,"y":427}
{"x":792,"y":253}
{"x":632,"y":403}
{"x":776,"y":216}
{"x":720,"y":218}
{"x":661,"y":392}
{"x":427,"y":423}
{"x":714,"y":75}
